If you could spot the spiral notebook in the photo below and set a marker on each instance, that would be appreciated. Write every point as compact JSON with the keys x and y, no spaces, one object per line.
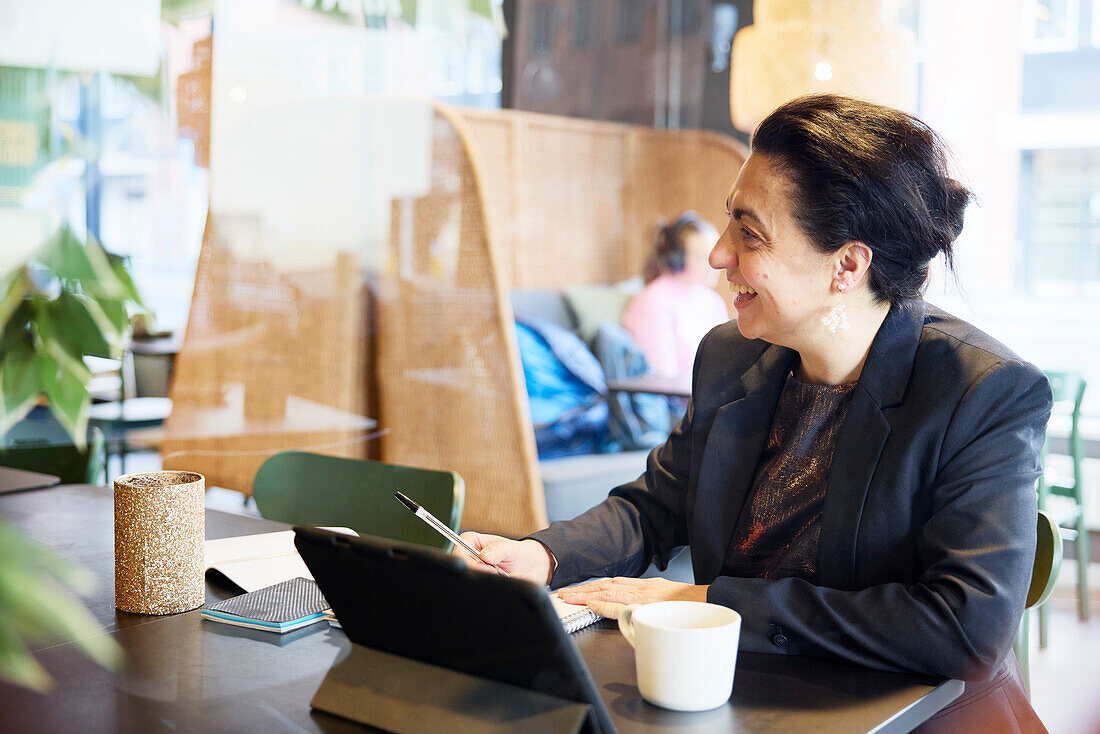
{"x":575,"y":617}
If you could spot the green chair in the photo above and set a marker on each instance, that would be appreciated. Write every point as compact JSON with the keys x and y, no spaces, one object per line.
{"x":62,"y":460}
{"x":1044,"y":572}
{"x":1069,"y":392}
{"x":312,"y":489}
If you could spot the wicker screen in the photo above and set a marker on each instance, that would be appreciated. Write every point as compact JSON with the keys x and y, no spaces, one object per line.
{"x":270,"y":362}
{"x":450,"y":386}
{"x":578,"y":201}
{"x":355,"y":302}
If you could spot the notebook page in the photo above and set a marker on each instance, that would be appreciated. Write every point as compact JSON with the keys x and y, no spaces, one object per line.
{"x":256,"y":561}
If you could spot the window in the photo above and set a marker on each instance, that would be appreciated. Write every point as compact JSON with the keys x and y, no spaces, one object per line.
{"x":685,"y":17}
{"x":482,"y":59}
{"x":1096,"y":23}
{"x":586,"y":18}
{"x":1050,"y":25}
{"x":543,"y":28}
{"x":1060,"y":221}
{"x":629,"y":20}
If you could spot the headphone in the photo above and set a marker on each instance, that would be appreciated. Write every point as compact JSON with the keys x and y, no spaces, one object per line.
{"x":671,"y":253}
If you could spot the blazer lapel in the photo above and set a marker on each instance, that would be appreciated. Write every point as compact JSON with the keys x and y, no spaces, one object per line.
{"x":860,"y":441}
{"x":732,"y":450}
{"x":858,"y":447}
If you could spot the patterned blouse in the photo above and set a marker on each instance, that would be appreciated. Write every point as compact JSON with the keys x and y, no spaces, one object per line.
{"x":778,"y":531}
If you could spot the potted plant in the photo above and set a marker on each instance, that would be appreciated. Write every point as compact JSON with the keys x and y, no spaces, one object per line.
{"x":71,"y":299}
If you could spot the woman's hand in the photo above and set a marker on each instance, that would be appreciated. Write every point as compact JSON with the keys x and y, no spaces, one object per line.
{"x":524,"y":559}
{"x":607,"y":597}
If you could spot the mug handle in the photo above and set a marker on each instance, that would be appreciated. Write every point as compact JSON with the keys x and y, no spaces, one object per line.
{"x":626,"y":622}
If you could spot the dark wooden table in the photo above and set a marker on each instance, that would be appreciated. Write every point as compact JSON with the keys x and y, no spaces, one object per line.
{"x":20,"y":480}
{"x":186,"y":675}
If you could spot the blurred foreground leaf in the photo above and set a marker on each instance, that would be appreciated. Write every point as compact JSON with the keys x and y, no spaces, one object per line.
{"x":38,"y":605}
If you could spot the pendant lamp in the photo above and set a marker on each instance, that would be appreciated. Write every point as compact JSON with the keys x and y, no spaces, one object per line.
{"x":796,"y":47}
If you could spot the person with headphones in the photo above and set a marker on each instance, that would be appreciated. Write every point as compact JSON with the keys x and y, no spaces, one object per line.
{"x":679,"y":305}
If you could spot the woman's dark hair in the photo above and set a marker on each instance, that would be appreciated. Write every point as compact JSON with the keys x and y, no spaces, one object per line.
{"x":871,"y":173}
{"x":670,"y":254}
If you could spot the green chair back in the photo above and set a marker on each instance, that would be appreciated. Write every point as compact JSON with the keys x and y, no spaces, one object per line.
{"x":62,"y":460}
{"x":1048,"y":560}
{"x":1068,"y":389}
{"x":1044,"y":572}
{"x":313,"y":489}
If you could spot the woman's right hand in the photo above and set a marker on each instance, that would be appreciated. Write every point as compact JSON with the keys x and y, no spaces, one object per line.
{"x":525,"y":559}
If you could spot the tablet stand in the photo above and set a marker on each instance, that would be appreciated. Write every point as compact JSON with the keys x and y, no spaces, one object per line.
{"x":403,"y":695}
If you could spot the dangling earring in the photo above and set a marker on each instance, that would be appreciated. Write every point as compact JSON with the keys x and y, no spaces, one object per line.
{"x":836,"y":318}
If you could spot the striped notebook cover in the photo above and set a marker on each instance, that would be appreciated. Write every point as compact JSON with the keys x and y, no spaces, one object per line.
{"x":280,"y":608}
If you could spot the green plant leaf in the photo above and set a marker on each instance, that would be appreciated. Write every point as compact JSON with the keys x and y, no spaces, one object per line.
{"x":112,"y":332}
{"x":15,"y":289}
{"x":129,"y":289}
{"x":65,"y":382}
{"x":17,"y":334}
{"x":106,"y":284}
{"x":18,"y":549}
{"x":67,"y":258}
{"x":36,"y":605}
{"x":85,"y":265}
{"x":13,"y":415}
{"x":17,"y":664}
{"x":73,"y":300}
{"x":42,"y":610}
{"x":116,"y":313}
{"x":19,"y":386}
{"x":79,"y":324}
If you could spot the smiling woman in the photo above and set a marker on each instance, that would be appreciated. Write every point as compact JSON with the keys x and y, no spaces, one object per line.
{"x":780,"y":278}
{"x":855,"y":472}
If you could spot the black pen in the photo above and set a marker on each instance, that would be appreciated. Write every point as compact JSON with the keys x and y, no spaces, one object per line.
{"x":443,"y":530}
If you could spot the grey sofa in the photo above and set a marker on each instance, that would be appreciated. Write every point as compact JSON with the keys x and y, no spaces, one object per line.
{"x":573,"y":484}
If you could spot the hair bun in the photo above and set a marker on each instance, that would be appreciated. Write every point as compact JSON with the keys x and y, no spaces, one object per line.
{"x":957,"y":199}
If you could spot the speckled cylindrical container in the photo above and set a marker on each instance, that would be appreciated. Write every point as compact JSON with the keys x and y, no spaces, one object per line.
{"x":160,"y":527}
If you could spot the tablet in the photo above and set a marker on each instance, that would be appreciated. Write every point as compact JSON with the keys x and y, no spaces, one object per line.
{"x":426,"y":605}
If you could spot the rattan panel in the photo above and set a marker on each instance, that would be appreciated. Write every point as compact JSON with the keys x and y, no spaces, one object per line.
{"x":419,"y":337}
{"x":270,"y":362}
{"x":578,"y":201}
{"x":449,"y":382}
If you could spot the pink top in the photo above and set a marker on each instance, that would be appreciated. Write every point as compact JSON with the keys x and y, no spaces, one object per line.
{"x":669,"y":318}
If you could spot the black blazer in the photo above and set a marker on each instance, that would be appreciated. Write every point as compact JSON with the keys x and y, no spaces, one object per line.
{"x":928,"y":525}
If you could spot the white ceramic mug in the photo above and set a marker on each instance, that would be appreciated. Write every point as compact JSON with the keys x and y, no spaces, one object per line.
{"x":685,"y":652}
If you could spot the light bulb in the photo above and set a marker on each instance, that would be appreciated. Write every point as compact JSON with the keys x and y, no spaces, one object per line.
{"x":823,"y":71}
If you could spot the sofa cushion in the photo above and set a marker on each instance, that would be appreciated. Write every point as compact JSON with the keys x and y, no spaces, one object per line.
{"x":592,"y":305}
{"x":577,"y":483}
{"x":565,"y":389}
{"x":635,"y":421}
{"x":544,"y":304}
